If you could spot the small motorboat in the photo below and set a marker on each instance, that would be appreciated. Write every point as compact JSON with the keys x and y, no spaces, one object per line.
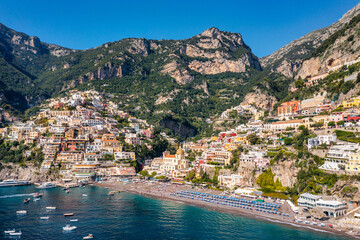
{"x":36,"y":199}
{"x":69,"y":228}
{"x":90,"y":236}
{"x":111,"y":193}
{"x":21,"y":212}
{"x":15,"y":233}
{"x":9,"y":231}
{"x":27,"y":200}
{"x":44,"y":218}
{"x":84,"y":195}
{"x":51,"y":208}
{"x":68,"y":214}
{"x":73,"y":220}
{"x":37,"y":195}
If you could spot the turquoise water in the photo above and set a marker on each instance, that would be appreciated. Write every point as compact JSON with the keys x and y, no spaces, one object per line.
{"x":129,"y":216}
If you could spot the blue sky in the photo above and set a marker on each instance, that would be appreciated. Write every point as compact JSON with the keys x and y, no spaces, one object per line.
{"x":266,"y":25}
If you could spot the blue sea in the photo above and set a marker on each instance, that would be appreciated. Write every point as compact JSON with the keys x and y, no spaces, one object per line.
{"x":130,"y":216}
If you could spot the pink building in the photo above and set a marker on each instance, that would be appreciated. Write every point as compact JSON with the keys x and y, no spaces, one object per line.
{"x":336,"y":117}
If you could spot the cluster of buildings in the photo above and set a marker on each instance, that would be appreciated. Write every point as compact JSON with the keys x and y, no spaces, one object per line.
{"x":80,"y":135}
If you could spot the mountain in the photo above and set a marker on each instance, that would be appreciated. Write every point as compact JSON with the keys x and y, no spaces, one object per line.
{"x":22,"y":59}
{"x":288,"y":59}
{"x":187,"y":80}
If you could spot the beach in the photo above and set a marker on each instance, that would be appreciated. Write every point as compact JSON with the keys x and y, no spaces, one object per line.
{"x":168,"y":191}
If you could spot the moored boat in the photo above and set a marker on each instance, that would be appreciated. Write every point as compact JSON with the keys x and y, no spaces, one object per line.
{"x":51,"y":208}
{"x":90,"y":236}
{"x":26,"y":200}
{"x":68,"y":214}
{"x":84,"y":195}
{"x":12,"y":182}
{"x":69,"y":228}
{"x":73,"y":220}
{"x":9,"y":231}
{"x":46,"y":185}
{"x":67,"y":191}
{"x":36,"y":199}
{"x":111,"y":193}
{"x":21,"y":212}
{"x":44,"y":218}
{"x":15,"y":233}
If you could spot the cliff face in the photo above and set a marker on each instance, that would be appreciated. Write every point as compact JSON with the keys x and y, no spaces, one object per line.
{"x":288,"y":59}
{"x":340,"y":49}
{"x":260,"y":99}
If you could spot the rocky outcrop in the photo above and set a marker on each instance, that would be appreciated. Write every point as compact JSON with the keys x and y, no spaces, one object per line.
{"x":343,"y":51}
{"x":193,"y":51}
{"x":260,"y":99}
{"x":31,"y":173}
{"x":224,"y":65}
{"x":181,"y":75}
{"x":108,"y":71}
{"x":287,"y":59}
{"x":140,"y":46}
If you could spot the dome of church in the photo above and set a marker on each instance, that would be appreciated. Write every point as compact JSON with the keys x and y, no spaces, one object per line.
{"x":179,"y":152}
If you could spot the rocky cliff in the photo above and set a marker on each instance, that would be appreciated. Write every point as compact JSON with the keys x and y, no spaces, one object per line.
{"x":288,"y":59}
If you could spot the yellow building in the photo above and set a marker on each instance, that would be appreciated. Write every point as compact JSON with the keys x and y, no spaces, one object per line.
{"x":351,"y":103}
{"x":353,"y":164}
{"x":214,"y":139}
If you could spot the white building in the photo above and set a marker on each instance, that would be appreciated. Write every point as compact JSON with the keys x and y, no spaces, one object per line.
{"x":330,"y":208}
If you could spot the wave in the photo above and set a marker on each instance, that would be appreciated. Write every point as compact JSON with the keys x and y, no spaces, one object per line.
{"x":17,"y":195}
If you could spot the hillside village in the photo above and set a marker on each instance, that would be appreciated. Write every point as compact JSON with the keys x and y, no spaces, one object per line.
{"x":84,"y":136}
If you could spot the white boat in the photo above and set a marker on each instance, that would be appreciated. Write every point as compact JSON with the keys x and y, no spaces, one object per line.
{"x":51,"y":208}
{"x":36,"y":199}
{"x":9,"y":231}
{"x":46,"y":185}
{"x":73,"y":220}
{"x":69,"y":228}
{"x":44,"y":218}
{"x":84,"y":195}
{"x":12,"y":182}
{"x":15,"y":233}
{"x":90,"y":236}
{"x":21,"y":212}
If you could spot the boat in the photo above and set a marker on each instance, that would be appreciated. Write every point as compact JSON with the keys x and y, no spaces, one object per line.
{"x":21,"y":212}
{"x":37,"y":195}
{"x":84,"y":195}
{"x":50,"y":208}
{"x":68,"y":214}
{"x":314,"y":223}
{"x":322,"y":225}
{"x":9,"y":231}
{"x":111,"y":193}
{"x":67,"y":191}
{"x":36,"y":199}
{"x":307,"y":222}
{"x":46,"y":185}
{"x":90,"y":236}
{"x":73,"y":220}
{"x":26,"y":200}
{"x":69,"y":228}
{"x":44,"y":218}
{"x":15,"y":233}
{"x":12,"y":182}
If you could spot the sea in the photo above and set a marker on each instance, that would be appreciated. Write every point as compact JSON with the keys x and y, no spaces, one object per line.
{"x":130,"y":216}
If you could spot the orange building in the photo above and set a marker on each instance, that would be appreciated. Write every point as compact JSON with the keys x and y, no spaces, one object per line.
{"x":288,"y":108}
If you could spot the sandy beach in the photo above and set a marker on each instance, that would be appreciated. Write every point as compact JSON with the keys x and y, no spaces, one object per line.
{"x":167,"y":191}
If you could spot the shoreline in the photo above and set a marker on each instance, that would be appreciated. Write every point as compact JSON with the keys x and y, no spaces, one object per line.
{"x":142,"y":190}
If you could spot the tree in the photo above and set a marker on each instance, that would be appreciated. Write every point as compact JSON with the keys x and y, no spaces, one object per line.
{"x":190,"y":176}
{"x":288,"y":141}
{"x":144,"y":173}
{"x":299,"y":83}
{"x":331,"y":124}
{"x":253,"y":138}
{"x":340,"y":123}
